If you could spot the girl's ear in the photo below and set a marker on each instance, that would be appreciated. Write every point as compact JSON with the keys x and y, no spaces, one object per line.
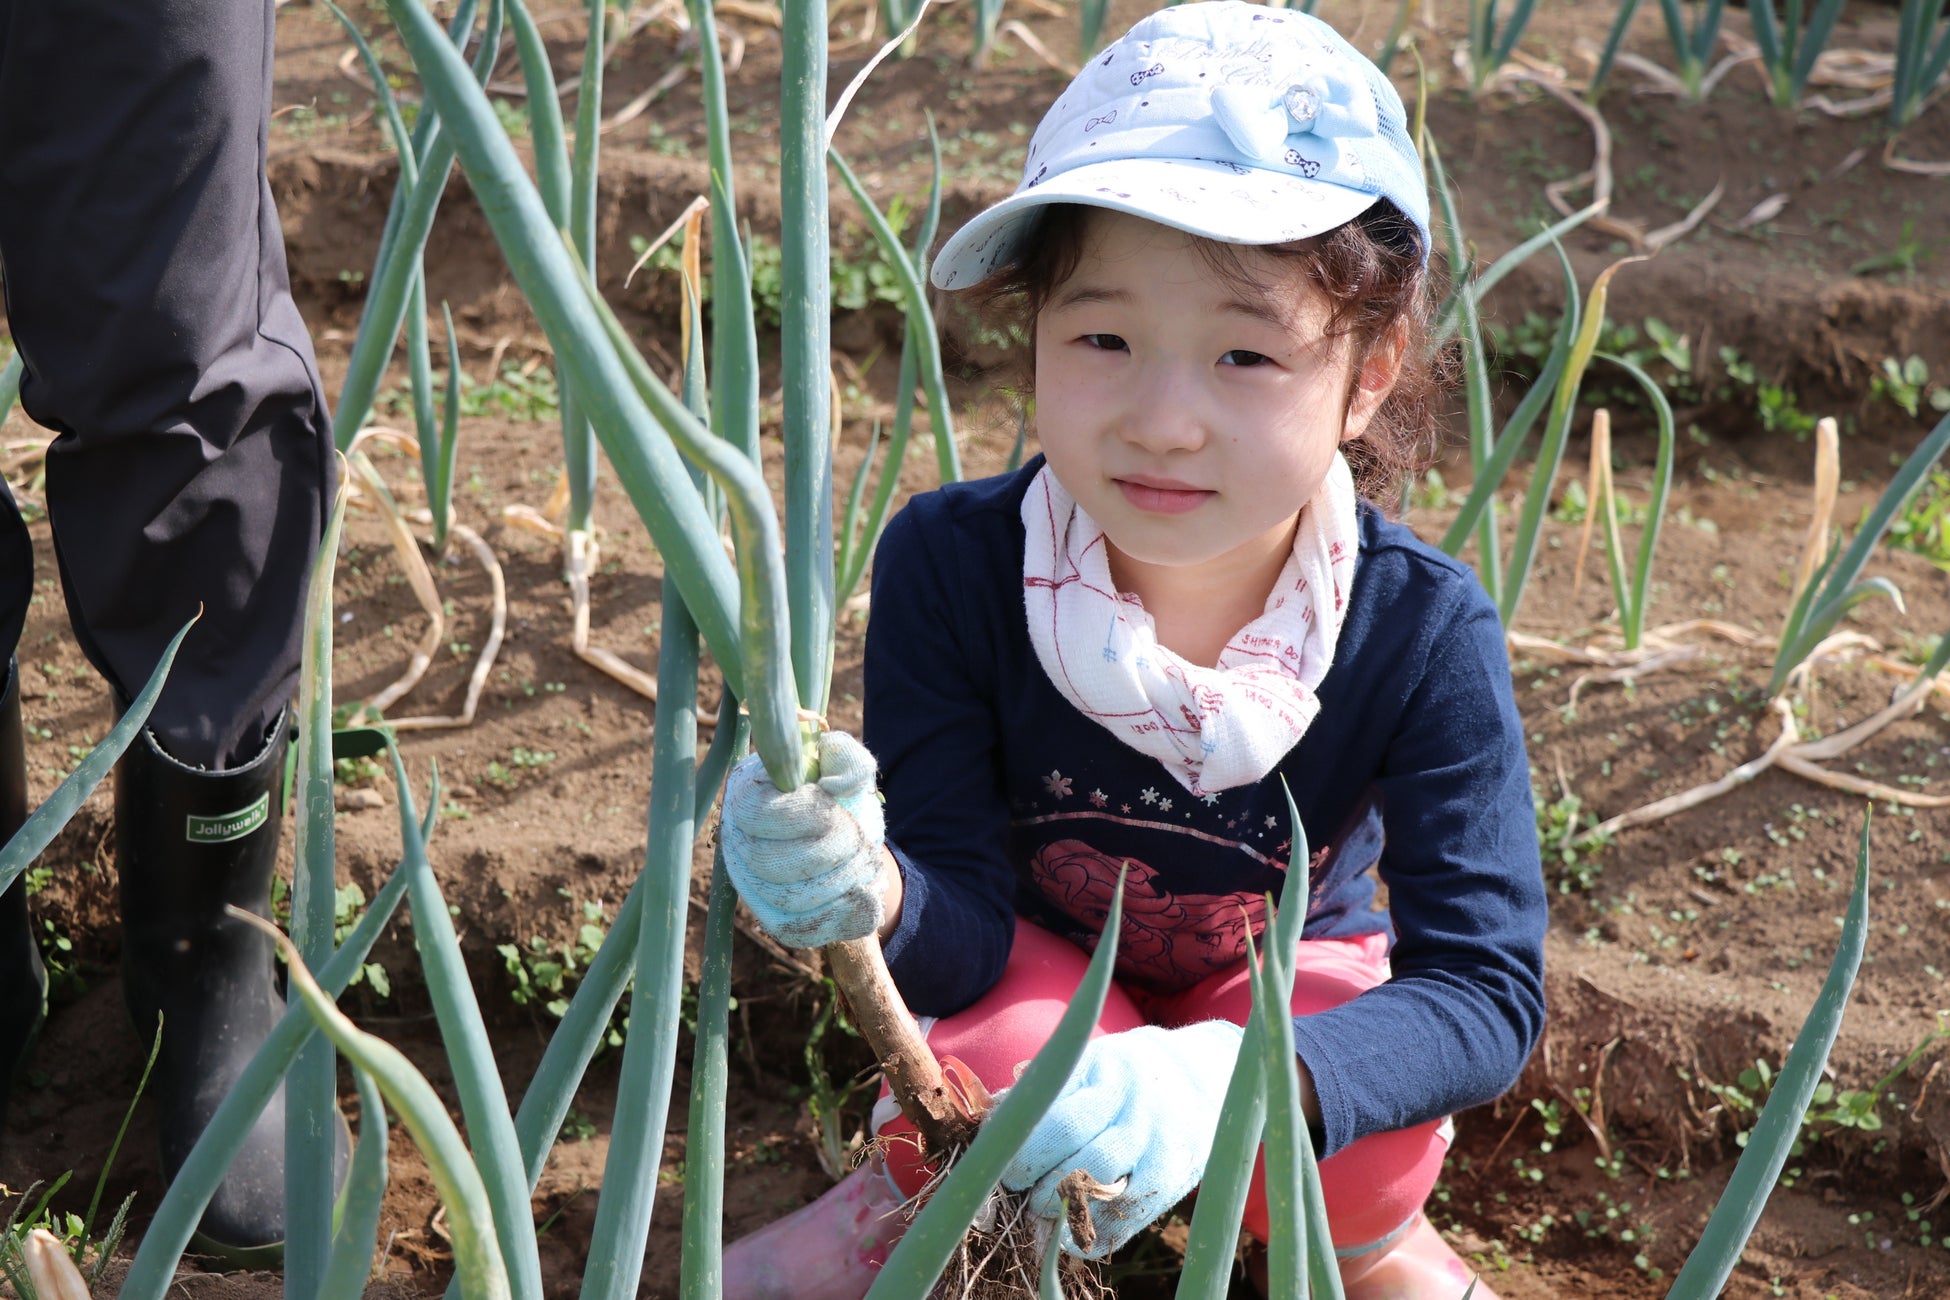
{"x":1373,"y":379}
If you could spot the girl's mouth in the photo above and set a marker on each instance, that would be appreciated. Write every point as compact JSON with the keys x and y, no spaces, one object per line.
{"x":1162,"y":496}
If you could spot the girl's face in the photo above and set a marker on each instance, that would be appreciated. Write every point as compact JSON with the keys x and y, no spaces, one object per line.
{"x":1192,"y":417}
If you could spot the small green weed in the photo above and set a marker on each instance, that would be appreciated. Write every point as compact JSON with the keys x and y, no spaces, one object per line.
{"x":507,"y":775}
{"x":520,"y":392}
{"x":825,"y":1097}
{"x":1653,"y":346}
{"x":1776,"y":405}
{"x":858,"y":281}
{"x":1901,"y":262}
{"x":1924,"y":524}
{"x":90,"y":1255}
{"x":1559,"y":823}
{"x":1906,"y":384}
{"x":576,"y":1127}
{"x":348,"y":905}
{"x":356,"y":771}
{"x":547,"y":972}
{"x":1613,"y":1221}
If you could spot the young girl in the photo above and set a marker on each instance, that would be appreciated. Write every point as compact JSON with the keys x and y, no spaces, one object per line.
{"x":1123,"y":655}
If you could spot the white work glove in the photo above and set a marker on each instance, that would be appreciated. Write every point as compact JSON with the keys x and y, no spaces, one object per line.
{"x":808,"y":862}
{"x":1141,"y":1106}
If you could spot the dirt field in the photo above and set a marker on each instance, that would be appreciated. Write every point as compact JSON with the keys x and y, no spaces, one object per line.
{"x":1680,"y":954}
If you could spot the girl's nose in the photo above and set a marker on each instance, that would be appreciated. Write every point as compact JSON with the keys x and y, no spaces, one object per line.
{"x":1161,"y":414}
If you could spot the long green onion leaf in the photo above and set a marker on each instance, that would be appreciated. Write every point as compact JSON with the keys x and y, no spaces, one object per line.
{"x":1774,"y":1134}
{"x":805,"y":354}
{"x":734,"y":334}
{"x":578,"y":440}
{"x":357,"y":1239}
{"x":470,"y":1219}
{"x":311,"y":1090}
{"x":636,"y":1145}
{"x":920,"y":319}
{"x":1633,"y":595}
{"x":1482,"y":493}
{"x":762,"y":567}
{"x":47,"y":821}
{"x":1214,"y":1235}
{"x":1286,"y":1129}
{"x":545,"y":1103}
{"x":703,"y":1274}
{"x":483,"y":1101}
{"x":1557,"y":428}
{"x":930,"y":1241}
{"x":10,"y":378}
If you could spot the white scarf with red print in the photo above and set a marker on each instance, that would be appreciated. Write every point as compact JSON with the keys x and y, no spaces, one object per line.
{"x":1212,"y":728}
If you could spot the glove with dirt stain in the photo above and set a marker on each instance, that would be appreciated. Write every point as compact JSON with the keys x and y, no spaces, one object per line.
{"x":808,"y":862}
{"x":1138,"y":1115}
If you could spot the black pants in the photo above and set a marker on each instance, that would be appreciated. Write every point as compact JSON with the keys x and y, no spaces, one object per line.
{"x":147,"y":293}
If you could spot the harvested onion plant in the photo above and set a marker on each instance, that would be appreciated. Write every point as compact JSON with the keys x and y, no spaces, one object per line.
{"x":686,"y":461}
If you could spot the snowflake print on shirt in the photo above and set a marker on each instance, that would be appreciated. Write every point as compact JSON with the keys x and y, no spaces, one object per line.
{"x":1057,"y":784}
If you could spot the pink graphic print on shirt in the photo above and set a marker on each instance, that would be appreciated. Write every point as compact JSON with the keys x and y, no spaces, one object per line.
{"x":1168,"y":942}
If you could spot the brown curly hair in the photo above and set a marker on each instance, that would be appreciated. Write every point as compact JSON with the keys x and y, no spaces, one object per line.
{"x":1370,"y":270}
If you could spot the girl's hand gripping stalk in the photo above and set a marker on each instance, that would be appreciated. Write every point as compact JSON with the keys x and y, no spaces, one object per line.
{"x":1138,"y":1115}
{"x":811,"y":863}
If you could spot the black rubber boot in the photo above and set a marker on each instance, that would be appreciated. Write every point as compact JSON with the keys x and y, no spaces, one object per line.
{"x":23,"y":979}
{"x":188,"y":842}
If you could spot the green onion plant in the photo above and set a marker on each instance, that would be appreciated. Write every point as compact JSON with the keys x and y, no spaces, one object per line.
{"x":1620,"y":23}
{"x":1493,"y":453}
{"x":1491,"y":39}
{"x":425,"y":164}
{"x":1090,"y":26}
{"x":988,"y":13}
{"x":898,"y":16}
{"x":1692,"y":42}
{"x":312,"y":1087}
{"x":1790,"y":42}
{"x":920,"y":362}
{"x":1632,"y":586}
{"x":1838,"y":585}
{"x":1922,"y":58}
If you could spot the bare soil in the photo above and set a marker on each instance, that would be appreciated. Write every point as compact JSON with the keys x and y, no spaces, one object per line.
{"x":1679,"y":955}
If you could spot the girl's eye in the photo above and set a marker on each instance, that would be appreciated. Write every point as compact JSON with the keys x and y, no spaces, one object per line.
{"x":1106,"y":342}
{"x":1241,"y":357}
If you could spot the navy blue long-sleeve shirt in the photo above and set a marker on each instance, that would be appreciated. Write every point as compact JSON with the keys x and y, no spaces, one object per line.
{"x":1003,"y":799}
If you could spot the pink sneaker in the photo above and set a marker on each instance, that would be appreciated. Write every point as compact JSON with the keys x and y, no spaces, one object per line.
{"x":828,"y":1249}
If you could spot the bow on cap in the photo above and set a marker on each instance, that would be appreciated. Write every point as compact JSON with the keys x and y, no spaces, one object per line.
{"x":1259,"y":118}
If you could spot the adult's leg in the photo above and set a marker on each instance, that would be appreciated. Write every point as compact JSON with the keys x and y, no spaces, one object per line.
{"x":147,"y":293}
{"x":23,"y":978}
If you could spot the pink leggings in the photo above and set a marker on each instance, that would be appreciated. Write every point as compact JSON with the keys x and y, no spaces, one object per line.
{"x":1373,"y":1188}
